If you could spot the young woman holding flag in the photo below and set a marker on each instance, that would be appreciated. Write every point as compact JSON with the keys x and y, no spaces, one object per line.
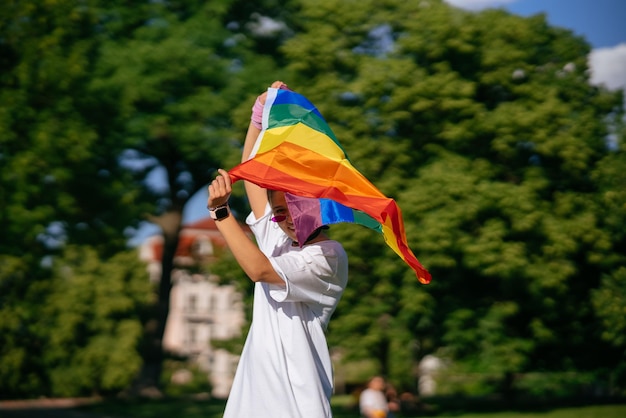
{"x":285,"y":368}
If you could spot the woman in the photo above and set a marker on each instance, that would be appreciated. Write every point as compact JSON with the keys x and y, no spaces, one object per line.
{"x":285,"y":368}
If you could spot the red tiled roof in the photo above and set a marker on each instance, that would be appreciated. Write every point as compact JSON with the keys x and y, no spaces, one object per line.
{"x":189,"y":234}
{"x":204,"y":223}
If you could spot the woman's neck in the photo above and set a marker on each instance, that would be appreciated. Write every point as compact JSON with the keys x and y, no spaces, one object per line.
{"x":316,"y":236}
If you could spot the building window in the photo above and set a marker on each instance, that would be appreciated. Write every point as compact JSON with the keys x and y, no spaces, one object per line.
{"x":192,"y":335}
{"x":212,"y":302}
{"x":235,"y":301}
{"x":191,"y":303}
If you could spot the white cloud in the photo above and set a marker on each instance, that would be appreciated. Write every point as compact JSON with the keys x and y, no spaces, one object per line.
{"x":478,"y":4}
{"x":608,"y":66}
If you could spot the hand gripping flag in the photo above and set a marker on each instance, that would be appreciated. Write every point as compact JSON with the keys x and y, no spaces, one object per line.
{"x":298,"y":153}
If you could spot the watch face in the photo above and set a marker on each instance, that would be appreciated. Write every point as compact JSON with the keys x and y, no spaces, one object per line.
{"x":221,"y":213}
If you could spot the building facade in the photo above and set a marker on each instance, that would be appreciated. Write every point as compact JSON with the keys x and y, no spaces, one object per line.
{"x":201,"y":309}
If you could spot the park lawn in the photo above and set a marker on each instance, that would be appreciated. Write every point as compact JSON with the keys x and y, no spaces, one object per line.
{"x":596,"y":411}
{"x":181,"y":408}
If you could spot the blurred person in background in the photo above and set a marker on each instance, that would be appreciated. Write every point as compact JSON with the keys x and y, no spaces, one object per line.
{"x":373,"y":402}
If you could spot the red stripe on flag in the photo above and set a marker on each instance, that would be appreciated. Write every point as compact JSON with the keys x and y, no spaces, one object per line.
{"x":381,"y":208}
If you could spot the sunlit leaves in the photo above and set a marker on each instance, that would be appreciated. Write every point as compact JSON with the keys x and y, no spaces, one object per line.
{"x":610,"y":302}
{"x":94,"y":314}
{"x":484,"y":128}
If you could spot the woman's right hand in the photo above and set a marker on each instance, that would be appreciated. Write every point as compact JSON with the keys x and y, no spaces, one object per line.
{"x":219,"y":189}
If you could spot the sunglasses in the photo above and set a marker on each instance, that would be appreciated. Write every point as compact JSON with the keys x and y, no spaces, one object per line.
{"x":278,"y":218}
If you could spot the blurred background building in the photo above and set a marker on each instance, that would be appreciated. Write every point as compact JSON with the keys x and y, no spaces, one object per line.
{"x":201,"y":309}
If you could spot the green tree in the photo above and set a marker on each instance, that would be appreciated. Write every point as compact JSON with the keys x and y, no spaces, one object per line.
{"x":169,"y":88}
{"x":609,"y":299}
{"x":58,"y":183}
{"x":93,"y":98}
{"x":95,"y":315}
{"x":485,"y":128}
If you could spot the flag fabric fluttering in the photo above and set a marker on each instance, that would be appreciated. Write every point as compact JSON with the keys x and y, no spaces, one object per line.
{"x":297,"y":152}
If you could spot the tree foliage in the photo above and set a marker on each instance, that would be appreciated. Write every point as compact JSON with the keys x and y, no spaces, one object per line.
{"x":95,"y":97}
{"x":58,"y":184}
{"x":508,"y":165}
{"x":485,"y":128}
{"x":170,"y":86}
{"x":95,"y":314}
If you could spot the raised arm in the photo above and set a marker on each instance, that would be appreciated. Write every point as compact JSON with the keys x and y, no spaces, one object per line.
{"x":256,"y":265}
{"x":253,"y":262}
{"x":257,"y":196}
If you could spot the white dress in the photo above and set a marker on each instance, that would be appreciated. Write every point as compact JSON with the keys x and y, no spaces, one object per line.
{"x":285,"y":369}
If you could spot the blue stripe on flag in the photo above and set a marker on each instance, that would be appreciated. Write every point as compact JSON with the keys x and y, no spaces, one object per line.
{"x":333,"y":212}
{"x":286,"y":97}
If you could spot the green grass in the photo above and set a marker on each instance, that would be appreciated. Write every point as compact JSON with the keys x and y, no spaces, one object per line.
{"x":180,"y":408}
{"x":342,"y":408}
{"x":175,"y":408}
{"x":596,"y":411}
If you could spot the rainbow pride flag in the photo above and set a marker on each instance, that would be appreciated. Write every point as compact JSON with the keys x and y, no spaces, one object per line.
{"x":298,"y":153}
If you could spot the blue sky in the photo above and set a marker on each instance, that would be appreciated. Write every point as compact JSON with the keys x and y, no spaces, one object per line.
{"x":601,"y":22}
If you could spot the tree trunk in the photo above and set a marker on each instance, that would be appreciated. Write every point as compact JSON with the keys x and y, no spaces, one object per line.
{"x":149,"y":384}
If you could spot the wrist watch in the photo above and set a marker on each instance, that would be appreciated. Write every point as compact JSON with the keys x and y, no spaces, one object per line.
{"x":220,"y":212}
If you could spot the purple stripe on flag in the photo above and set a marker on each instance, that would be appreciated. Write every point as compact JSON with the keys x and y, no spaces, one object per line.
{"x":305,"y":214}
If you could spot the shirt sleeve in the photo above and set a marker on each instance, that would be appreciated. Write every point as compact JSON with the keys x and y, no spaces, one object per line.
{"x":316,"y":273}
{"x":313,"y":274}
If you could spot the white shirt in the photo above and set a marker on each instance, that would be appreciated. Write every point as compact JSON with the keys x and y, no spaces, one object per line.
{"x":372,"y":400}
{"x":285,"y":369}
